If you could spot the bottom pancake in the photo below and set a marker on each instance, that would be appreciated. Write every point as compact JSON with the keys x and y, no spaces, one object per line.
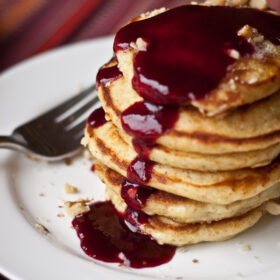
{"x":166,"y":231}
{"x":183,"y":210}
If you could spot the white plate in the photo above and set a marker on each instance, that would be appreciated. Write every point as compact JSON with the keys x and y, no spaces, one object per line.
{"x":36,"y":85}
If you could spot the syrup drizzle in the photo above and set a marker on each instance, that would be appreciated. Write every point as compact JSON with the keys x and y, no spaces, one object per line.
{"x":96,"y":118}
{"x":140,"y":170}
{"x":92,"y":168}
{"x":188,"y":47}
{"x":109,"y":236}
{"x":147,"y":121}
{"x":107,"y":74}
{"x":143,"y":149}
{"x":135,"y":195}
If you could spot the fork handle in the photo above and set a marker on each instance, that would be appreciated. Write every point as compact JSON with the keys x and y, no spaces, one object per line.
{"x":9,"y":142}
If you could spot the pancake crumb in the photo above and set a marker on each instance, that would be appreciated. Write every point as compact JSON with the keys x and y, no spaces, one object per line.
{"x":195,"y":261}
{"x":141,"y":44}
{"x":41,"y":194}
{"x":68,"y":161}
{"x":73,"y":208}
{"x":41,"y":228}
{"x":70,"y":189}
{"x":246,"y":248}
{"x":234,"y":54}
{"x":60,"y":215}
{"x":239,"y":274}
{"x":153,"y":13}
{"x":245,"y":31}
{"x":251,"y":34}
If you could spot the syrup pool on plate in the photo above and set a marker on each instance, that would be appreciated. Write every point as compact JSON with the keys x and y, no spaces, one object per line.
{"x":109,"y":236}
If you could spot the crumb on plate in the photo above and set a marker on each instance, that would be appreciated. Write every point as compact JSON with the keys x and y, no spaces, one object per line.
{"x":73,"y":208}
{"x":246,"y":248}
{"x":70,"y":189}
{"x":68,"y":161}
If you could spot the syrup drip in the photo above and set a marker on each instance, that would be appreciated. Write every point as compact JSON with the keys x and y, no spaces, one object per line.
{"x":143,"y":149}
{"x":92,"y":168}
{"x":147,"y":121}
{"x":188,"y":48}
{"x":96,"y":118}
{"x":140,"y":170}
{"x":108,"y":74}
{"x":105,"y":235}
{"x":135,"y":195}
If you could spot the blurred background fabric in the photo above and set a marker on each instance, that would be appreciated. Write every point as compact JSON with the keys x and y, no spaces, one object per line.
{"x":29,"y":27}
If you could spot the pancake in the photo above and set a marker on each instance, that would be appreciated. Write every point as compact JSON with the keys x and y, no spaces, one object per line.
{"x":207,"y":162}
{"x":166,"y":231}
{"x":221,"y":187}
{"x":258,"y":4}
{"x":183,"y":210}
{"x":247,"y":80}
{"x":248,"y":128}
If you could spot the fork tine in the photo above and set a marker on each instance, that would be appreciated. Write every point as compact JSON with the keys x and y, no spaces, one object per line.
{"x":78,"y":129}
{"x":63,"y":107}
{"x":79,"y":112}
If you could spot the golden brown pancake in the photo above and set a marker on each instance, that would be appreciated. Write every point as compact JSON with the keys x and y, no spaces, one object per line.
{"x":207,"y":162}
{"x":166,"y":231}
{"x":246,"y":81}
{"x":221,"y":187}
{"x":248,"y":128}
{"x":183,"y":210}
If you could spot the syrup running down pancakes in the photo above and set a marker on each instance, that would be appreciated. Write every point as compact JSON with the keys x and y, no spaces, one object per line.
{"x":188,"y":137}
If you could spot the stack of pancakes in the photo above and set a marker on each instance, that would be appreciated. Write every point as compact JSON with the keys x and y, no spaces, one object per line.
{"x":216,"y":171}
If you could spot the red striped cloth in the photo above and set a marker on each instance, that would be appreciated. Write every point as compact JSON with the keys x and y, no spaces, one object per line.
{"x":28,"y":27}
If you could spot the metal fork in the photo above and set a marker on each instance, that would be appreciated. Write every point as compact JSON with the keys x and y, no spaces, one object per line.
{"x":51,"y":136}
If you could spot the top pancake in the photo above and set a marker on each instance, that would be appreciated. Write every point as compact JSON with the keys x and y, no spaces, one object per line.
{"x":247,"y":80}
{"x":247,"y":128}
